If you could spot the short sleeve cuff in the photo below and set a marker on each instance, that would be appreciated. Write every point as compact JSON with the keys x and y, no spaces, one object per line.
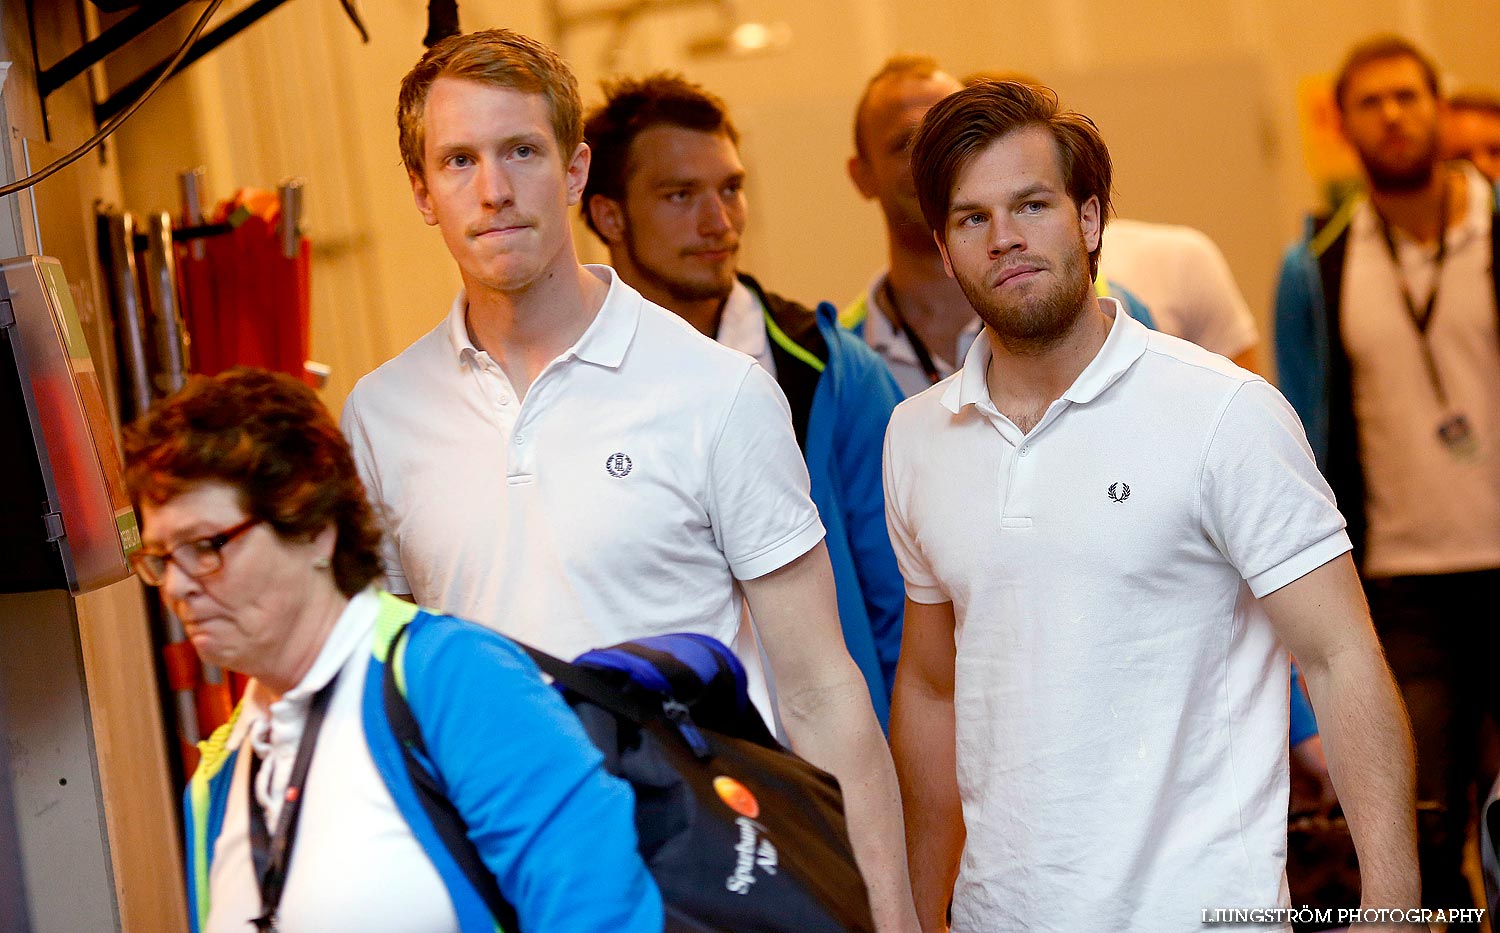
{"x":1300,"y":564}
{"x":781,"y":553}
{"x":926,"y":595}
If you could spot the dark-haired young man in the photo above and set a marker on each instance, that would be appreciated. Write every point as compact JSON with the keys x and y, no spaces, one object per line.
{"x":666,"y":195}
{"x":573,"y":465}
{"x":1388,"y":346}
{"x":1107,"y":535}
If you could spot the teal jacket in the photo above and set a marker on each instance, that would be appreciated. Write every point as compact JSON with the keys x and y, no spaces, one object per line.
{"x":557,"y":830}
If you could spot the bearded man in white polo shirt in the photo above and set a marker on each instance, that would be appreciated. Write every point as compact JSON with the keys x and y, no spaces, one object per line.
{"x":575,"y":466}
{"x":1107,"y":536}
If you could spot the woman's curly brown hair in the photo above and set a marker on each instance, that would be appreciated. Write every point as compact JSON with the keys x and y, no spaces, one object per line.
{"x":269,"y":437}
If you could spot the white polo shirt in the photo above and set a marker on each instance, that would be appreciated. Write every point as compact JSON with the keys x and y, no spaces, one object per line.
{"x":647,"y":471}
{"x":1120,"y":697}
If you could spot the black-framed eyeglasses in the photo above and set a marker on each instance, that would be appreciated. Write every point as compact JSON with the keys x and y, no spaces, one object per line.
{"x":196,"y":558}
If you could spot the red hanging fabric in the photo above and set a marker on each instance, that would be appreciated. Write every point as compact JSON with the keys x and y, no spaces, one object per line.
{"x":245,"y":303}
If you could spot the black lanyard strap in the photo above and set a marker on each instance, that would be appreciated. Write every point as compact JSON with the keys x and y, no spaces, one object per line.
{"x":1422,"y":319}
{"x":272,"y":854}
{"x":917,"y":346}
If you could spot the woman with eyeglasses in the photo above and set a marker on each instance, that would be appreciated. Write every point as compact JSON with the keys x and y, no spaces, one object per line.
{"x":301,"y":815}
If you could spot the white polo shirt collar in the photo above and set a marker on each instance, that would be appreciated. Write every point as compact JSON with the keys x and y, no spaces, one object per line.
{"x":603,"y":343}
{"x":1124,"y":345}
{"x":742,"y":326}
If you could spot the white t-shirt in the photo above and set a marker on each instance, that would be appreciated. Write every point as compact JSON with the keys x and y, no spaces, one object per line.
{"x":355,"y":866}
{"x":1120,"y":696}
{"x":1184,"y":280}
{"x":646,"y":472}
{"x":1428,"y":510}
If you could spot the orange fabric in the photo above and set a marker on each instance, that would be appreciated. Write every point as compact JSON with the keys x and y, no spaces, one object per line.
{"x":214,"y":707}
{"x":181,"y":664}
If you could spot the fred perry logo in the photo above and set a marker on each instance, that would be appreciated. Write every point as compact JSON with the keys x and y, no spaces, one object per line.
{"x":1119,"y":492}
{"x":617,"y":465}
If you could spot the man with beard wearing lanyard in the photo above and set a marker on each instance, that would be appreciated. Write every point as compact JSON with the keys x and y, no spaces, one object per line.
{"x":1388,"y":347}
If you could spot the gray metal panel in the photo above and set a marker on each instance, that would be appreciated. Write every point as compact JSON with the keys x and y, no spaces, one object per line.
{"x":59,"y":808}
{"x":14,"y":915}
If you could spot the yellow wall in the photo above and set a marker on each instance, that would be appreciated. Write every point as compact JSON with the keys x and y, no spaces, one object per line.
{"x":1197,"y":101}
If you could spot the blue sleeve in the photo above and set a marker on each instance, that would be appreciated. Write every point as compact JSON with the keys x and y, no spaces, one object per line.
{"x":1304,"y":725}
{"x":556,"y":829}
{"x":1131,"y":302}
{"x":867,"y":396}
{"x":1296,"y":334}
{"x":191,"y":850}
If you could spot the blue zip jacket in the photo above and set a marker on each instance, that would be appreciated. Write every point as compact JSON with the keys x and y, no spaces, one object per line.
{"x":842,"y":395}
{"x":556,"y":830}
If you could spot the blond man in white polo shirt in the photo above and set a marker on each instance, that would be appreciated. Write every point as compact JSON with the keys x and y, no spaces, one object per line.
{"x":575,"y":466}
{"x":1108,"y":534}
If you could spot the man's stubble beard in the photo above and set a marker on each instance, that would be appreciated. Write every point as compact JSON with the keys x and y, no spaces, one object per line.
{"x":1036,"y":322}
{"x":1402,"y":179}
{"x":680,"y":290}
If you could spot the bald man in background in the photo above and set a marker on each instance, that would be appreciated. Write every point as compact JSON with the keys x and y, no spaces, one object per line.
{"x":913,"y":314}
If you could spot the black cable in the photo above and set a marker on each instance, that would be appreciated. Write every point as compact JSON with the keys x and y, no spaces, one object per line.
{"x":114,"y":122}
{"x":442,"y":21}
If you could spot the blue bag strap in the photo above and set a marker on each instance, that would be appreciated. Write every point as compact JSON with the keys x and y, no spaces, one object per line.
{"x":445,"y":817}
{"x":607,"y":695}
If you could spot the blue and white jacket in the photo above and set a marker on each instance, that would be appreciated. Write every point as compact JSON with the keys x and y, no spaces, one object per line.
{"x":556,"y":830}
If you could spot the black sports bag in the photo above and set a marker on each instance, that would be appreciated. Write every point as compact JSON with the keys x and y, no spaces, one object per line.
{"x":740,"y":834}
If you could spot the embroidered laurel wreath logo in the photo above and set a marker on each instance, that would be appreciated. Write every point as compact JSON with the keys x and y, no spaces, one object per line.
{"x":617,"y":465}
{"x":1119,"y":491}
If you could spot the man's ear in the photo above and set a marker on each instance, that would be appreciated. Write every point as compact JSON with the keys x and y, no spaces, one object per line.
{"x":608,"y":216}
{"x":1091,"y":223}
{"x":420,"y":194}
{"x":859,"y":173}
{"x":943,"y":251}
{"x":578,"y":172}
